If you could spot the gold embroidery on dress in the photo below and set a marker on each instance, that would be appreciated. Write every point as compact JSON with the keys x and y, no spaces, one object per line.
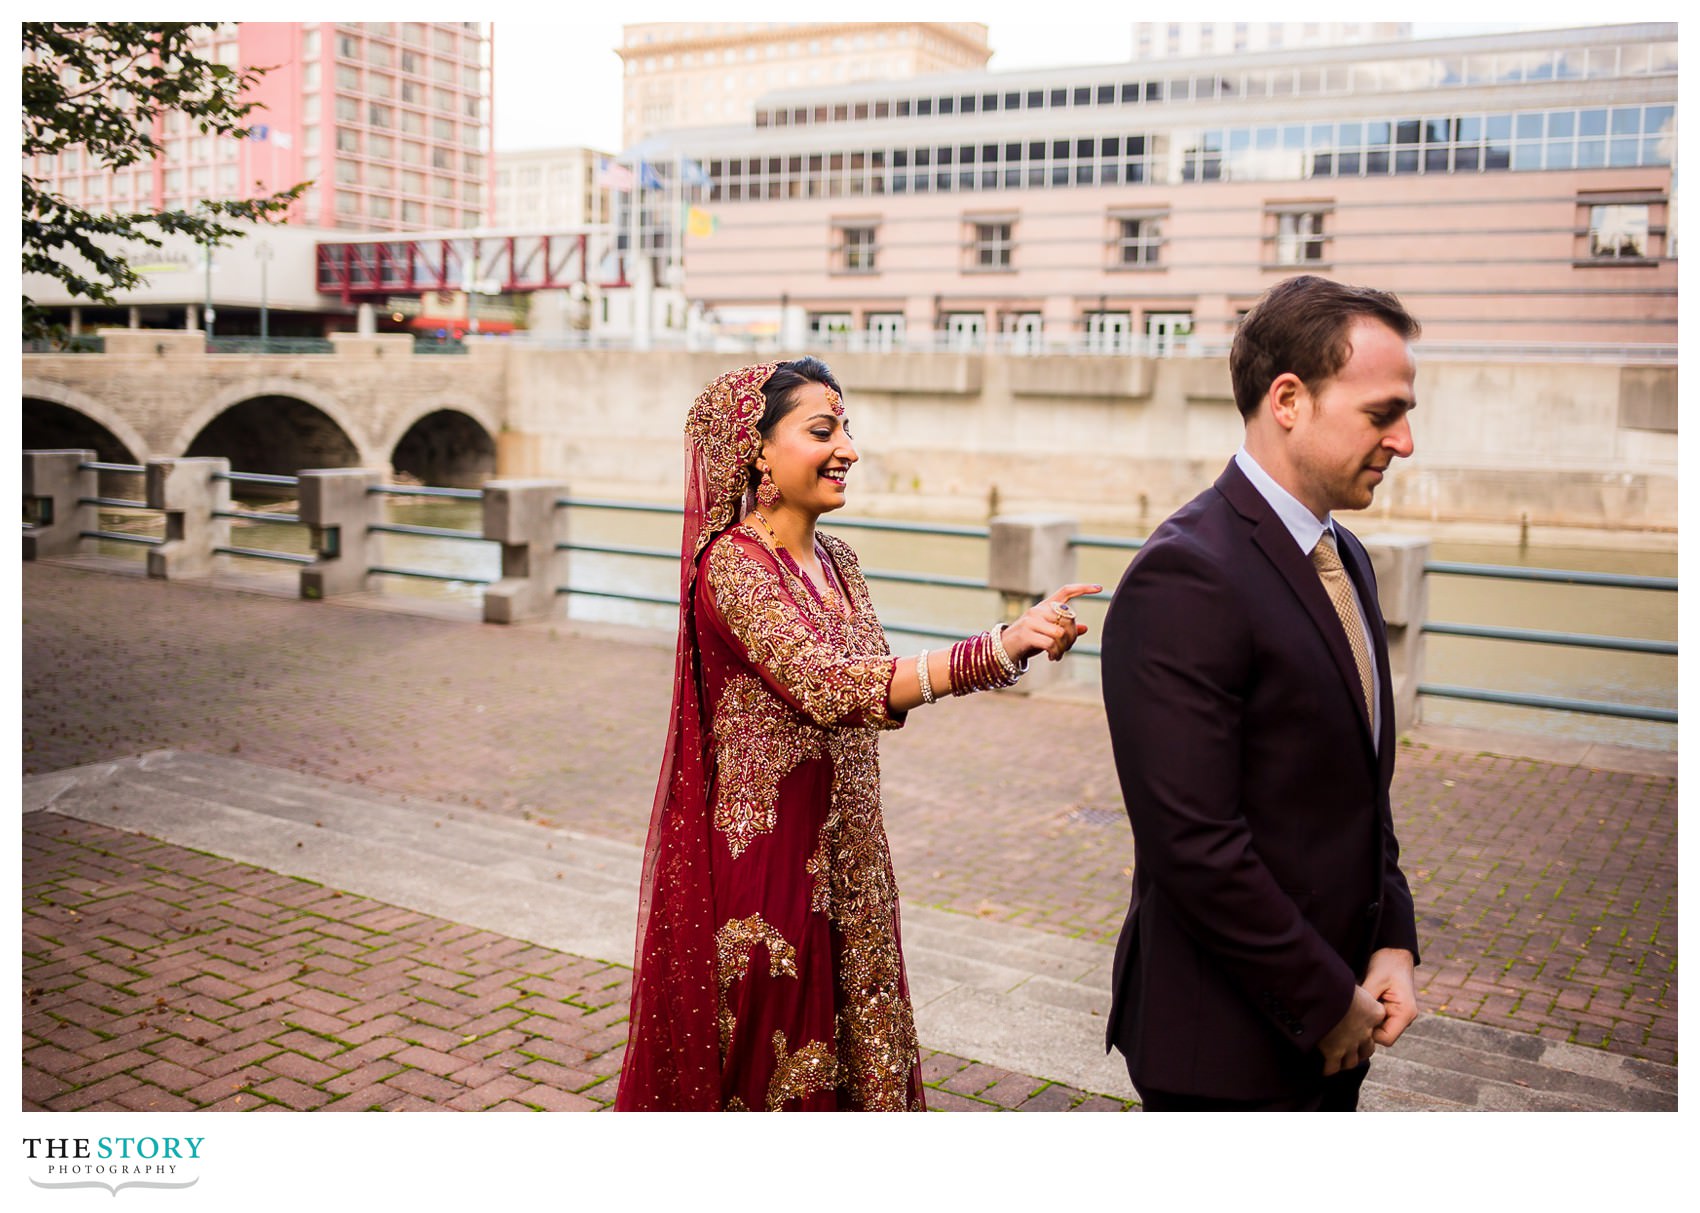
{"x":877,"y":1045}
{"x":819,"y":870}
{"x":774,"y":628}
{"x":809,"y":1070}
{"x":736,"y":1104}
{"x":733,"y":943}
{"x":876,"y":1042}
{"x":832,"y":666}
{"x":757,"y":742}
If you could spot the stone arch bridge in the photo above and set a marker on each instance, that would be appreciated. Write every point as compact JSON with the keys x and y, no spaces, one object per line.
{"x":374,"y":403}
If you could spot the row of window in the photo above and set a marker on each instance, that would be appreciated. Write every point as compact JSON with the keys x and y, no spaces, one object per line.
{"x":353,"y":209}
{"x":1595,"y":137}
{"x":381,"y":177}
{"x":1293,"y":235}
{"x":356,"y":141}
{"x":381,"y":54}
{"x":385,"y":117}
{"x":443,"y":71}
{"x":1102,"y":331}
{"x":1391,"y":75}
{"x":381,"y":89}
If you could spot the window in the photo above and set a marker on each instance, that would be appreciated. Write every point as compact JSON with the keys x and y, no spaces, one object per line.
{"x":965,"y":330}
{"x":992,"y":245}
{"x":1299,"y":238}
{"x":1023,"y":332}
{"x":1619,"y":232}
{"x":829,"y":330}
{"x":1139,"y":240}
{"x":856,"y":248}
{"x":885,"y":330}
{"x":1167,"y":333}
{"x":1109,"y":332}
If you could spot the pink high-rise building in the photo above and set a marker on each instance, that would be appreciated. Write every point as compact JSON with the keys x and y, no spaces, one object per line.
{"x":390,"y":120}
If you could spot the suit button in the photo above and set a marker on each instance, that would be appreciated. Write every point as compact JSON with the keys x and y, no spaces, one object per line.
{"x":1371,"y":910}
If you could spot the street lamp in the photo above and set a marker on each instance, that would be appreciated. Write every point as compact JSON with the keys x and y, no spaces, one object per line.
{"x":207,"y":307}
{"x":263,"y":254}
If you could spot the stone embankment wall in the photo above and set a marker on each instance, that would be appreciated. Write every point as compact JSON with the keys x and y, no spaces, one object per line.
{"x":1571,"y":445}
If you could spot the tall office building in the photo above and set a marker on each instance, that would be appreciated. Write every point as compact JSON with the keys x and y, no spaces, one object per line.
{"x":390,"y":120}
{"x":686,"y":74}
{"x":1189,"y":39}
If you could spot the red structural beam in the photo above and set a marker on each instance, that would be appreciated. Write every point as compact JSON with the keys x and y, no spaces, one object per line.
{"x":516,"y":264}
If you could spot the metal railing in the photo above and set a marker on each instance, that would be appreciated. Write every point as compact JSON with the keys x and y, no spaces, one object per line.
{"x":269,"y":481}
{"x":74,"y":343}
{"x":1486,"y":632}
{"x":1620,"y":644}
{"x":925,"y":341}
{"x":121,"y":503}
{"x":672,"y":554}
{"x":428,"y":532}
{"x":270,"y":345}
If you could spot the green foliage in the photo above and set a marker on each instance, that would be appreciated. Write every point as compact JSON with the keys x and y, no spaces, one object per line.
{"x":100,"y":87}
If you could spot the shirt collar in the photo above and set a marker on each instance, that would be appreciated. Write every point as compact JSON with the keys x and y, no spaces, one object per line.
{"x":1294,"y":514}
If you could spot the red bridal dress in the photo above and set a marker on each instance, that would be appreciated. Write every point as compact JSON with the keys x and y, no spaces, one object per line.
{"x":769,"y":967}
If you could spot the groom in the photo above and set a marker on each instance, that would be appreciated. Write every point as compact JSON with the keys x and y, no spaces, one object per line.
{"x":1270,"y":943}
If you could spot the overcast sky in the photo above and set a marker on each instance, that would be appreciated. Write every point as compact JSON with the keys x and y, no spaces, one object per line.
{"x":558,"y":85}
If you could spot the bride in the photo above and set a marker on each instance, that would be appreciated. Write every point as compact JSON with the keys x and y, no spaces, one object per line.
{"x":769,"y":970}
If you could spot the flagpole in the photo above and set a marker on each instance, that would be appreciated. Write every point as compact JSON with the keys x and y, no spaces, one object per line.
{"x":678,"y":250}
{"x":639,"y":298}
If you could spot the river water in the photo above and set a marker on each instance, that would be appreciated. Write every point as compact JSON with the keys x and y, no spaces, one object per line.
{"x":913,"y":613}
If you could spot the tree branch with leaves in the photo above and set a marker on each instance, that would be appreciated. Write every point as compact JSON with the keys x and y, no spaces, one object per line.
{"x":102,"y":87}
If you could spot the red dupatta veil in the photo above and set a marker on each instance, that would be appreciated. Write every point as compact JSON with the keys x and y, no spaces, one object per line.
{"x":672,"y":1058}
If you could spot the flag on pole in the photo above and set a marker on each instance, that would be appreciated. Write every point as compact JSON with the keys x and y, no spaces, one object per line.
{"x":648,"y":177}
{"x":694,"y":173}
{"x":699,"y":222}
{"x":611,"y":175}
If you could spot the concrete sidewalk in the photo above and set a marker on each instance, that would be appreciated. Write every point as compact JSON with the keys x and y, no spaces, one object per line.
{"x":1546,"y":889}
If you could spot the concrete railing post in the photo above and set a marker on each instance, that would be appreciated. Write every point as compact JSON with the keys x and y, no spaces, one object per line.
{"x":53,"y":482}
{"x":338,"y":510}
{"x":521,"y":515}
{"x":1403,"y":588}
{"x":190,"y":491}
{"x":1029,"y":555}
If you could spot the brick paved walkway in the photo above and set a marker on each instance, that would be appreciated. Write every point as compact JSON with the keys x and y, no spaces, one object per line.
{"x":1546,"y":892}
{"x":160,"y":979}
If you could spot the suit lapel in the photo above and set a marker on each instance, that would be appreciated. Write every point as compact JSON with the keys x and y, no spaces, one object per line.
{"x":1275,"y":541}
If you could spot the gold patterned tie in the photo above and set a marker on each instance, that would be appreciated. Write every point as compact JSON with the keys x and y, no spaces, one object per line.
{"x":1339,"y":587}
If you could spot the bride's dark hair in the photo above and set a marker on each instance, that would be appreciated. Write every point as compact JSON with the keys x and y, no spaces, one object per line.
{"x":781,"y":388}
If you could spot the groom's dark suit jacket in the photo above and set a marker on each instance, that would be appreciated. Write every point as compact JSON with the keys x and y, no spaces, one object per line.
{"x":1266,"y":869}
